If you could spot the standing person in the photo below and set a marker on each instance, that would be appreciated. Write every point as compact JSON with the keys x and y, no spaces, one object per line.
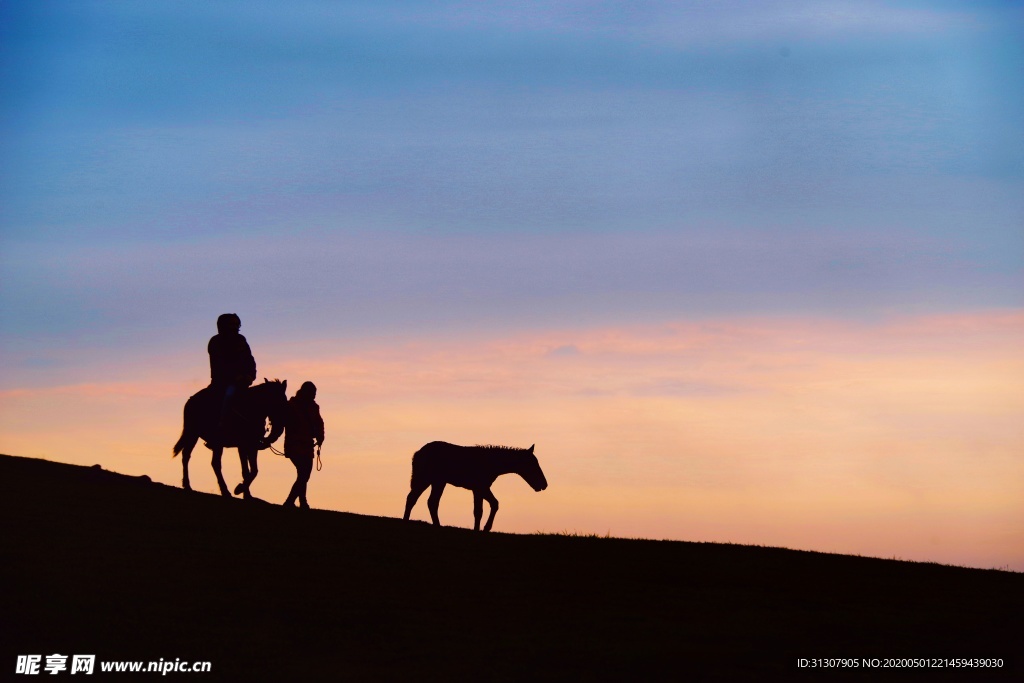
{"x":304,"y":429}
{"x":232,"y":367}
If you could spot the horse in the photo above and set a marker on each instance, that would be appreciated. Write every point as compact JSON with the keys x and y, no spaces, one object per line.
{"x":246,"y":431}
{"x":470,"y":467}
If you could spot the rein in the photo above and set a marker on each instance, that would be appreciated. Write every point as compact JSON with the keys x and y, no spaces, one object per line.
{"x":319,"y":465}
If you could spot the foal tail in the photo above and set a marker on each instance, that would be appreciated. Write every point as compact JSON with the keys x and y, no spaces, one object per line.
{"x":420,"y":464}
{"x":412,"y":478}
{"x":425,"y":461}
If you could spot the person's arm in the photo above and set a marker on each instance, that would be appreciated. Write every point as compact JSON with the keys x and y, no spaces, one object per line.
{"x":248,"y":363}
{"x":214,"y":348}
{"x":318,"y":424}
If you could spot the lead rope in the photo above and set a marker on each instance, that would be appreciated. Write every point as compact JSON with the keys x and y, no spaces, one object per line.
{"x":319,"y":465}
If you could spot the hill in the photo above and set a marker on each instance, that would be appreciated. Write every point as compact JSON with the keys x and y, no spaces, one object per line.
{"x":101,"y":563}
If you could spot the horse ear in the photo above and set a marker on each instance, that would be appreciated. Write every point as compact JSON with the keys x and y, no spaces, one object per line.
{"x":284,"y":385}
{"x":265,"y":380}
{"x":531,"y":448}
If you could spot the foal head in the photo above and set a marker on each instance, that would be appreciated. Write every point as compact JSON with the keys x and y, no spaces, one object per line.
{"x":529,"y":469}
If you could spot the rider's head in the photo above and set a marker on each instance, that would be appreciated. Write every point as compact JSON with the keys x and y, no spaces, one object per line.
{"x":228,"y":323}
{"x":307,"y":391}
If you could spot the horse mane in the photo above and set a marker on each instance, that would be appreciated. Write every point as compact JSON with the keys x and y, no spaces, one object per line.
{"x":267,"y":387}
{"x":509,"y":449}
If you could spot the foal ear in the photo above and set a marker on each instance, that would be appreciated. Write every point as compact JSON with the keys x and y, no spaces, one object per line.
{"x":531,"y":448}
{"x":284,"y":385}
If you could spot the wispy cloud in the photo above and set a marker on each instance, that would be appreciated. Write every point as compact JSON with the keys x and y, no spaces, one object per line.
{"x":682,"y":24}
{"x":684,"y":418}
{"x":355,"y":283}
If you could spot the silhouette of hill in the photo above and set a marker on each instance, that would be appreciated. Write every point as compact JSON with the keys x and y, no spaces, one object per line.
{"x":101,"y":563}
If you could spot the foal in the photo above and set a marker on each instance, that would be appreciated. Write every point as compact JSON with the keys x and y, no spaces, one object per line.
{"x":470,"y":467}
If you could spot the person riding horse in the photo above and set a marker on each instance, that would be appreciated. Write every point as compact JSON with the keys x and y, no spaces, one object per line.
{"x":232,"y":366}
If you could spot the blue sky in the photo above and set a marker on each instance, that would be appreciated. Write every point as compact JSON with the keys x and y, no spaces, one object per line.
{"x":394,"y":167}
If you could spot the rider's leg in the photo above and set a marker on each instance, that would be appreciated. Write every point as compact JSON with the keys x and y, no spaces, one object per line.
{"x":226,"y":405}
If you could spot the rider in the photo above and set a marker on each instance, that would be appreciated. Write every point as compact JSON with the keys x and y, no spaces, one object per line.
{"x":232,"y":367}
{"x":304,"y":429}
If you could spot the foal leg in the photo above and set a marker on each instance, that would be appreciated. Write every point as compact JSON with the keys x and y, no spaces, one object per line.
{"x":478,"y":509}
{"x":434,"y":500}
{"x":489,"y":497}
{"x":414,"y":494}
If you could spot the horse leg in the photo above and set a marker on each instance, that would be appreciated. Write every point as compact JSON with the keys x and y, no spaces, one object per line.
{"x":489,"y":497}
{"x":218,"y":453}
{"x":478,"y":509}
{"x":244,"y":464}
{"x":186,"y":455}
{"x":249,"y":471}
{"x":434,"y":500}
{"x":253,"y":470}
{"x":187,"y":442}
{"x":414,"y":494}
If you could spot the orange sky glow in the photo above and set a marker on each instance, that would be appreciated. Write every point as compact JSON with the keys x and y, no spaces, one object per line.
{"x":895,"y":438}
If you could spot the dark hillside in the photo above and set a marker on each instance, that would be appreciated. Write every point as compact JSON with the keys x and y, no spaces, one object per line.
{"x":99,"y":563}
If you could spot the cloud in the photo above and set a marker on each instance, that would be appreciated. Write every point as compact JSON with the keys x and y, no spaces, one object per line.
{"x":696,"y":24}
{"x":731,"y":419}
{"x":564,"y":351}
{"x":364,"y":283}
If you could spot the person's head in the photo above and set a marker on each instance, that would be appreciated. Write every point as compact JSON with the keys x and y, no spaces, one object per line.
{"x":228,"y":323}
{"x":307,"y":391}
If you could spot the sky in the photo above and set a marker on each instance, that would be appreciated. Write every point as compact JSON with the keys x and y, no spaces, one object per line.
{"x":743,"y":272}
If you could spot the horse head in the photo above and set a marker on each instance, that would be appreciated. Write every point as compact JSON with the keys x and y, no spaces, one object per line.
{"x":274,"y":404}
{"x":530,"y":471}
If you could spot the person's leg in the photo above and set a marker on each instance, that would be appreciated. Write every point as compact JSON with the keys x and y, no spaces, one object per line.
{"x":303,"y":480}
{"x":227,"y":404}
{"x":297,"y":487}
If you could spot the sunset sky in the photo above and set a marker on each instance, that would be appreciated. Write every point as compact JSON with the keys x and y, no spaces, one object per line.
{"x":743,"y":272}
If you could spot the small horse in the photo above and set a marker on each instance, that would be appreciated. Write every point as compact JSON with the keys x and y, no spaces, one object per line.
{"x":470,"y":467}
{"x":246,"y":433}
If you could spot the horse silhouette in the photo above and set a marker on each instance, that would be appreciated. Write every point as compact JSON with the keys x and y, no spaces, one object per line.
{"x":245,"y":429}
{"x":470,"y":467}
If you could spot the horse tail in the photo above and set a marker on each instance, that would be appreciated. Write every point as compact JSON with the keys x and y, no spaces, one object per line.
{"x":188,"y":418}
{"x":180,"y":445}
